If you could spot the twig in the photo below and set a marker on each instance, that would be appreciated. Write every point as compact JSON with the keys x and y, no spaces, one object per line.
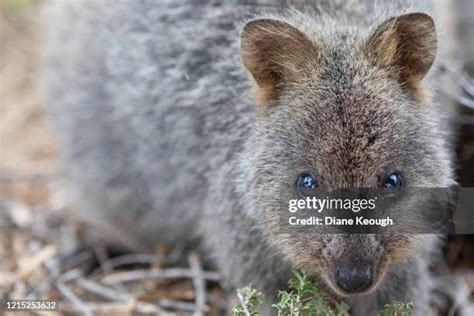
{"x":179,"y":305}
{"x":172,"y":273}
{"x":127,"y":259}
{"x":69,"y":294}
{"x":462,"y":79}
{"x":199,"y":284}
{"x":120,"y":296}
{"x":453,"y":309}
{"x":101,"y":254}
{"x":458,"y":98}
{"x":103,"y":291}
{"x":77,"y":260}
{"x":32,"y":264}
{"x":53,"y":275}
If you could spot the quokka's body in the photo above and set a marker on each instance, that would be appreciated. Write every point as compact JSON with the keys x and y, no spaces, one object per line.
{"x":163,"y":141}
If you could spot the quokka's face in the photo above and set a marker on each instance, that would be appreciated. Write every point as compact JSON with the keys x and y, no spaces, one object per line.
{"x":359,"y":140}
{"x":344,"y":113}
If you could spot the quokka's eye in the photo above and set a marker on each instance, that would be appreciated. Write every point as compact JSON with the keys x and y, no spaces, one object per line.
{"x":393,"y":180}
{"x":306,"y":182}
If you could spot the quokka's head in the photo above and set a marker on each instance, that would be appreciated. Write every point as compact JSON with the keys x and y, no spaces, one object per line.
{"x":343,"y":107}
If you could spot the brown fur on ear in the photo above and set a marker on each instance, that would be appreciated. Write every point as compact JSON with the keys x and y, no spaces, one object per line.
{"x":406,"y":45}
{"x":274,"y":52}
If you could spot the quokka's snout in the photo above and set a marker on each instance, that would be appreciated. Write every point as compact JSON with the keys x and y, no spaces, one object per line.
{"x":354,"y":275}
{"x":357,"y":265}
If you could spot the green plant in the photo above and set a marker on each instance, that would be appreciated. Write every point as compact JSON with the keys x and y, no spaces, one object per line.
{"x":249,"y":301}
{"x":304,"y":298}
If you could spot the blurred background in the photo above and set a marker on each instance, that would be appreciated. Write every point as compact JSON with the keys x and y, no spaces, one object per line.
{"x":43,"y":253}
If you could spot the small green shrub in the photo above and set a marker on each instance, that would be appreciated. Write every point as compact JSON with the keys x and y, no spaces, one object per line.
{"x":250,"y":299}
{"x":304,"y":298}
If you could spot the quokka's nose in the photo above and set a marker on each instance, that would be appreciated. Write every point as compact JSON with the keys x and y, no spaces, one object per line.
{"x":354,"y":276}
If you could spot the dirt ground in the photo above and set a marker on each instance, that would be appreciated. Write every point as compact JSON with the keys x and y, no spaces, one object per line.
{"x":26,"y":146}
{"x":45,"y":254}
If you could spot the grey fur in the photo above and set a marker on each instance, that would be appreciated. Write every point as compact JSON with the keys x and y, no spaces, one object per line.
{"x":161,"y":141}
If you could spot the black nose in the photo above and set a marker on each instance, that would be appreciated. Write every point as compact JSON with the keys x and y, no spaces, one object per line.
{"x":354,"y":276}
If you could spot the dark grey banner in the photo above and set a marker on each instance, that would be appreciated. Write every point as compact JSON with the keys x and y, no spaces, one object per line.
{"x":365,"y":211}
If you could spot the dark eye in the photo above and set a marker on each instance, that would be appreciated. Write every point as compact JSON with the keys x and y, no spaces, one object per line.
{"x":393,"y":180}
{"x":306,"y":182}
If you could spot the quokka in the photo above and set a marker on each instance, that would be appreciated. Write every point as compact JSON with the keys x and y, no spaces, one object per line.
{"x":183,"y":123}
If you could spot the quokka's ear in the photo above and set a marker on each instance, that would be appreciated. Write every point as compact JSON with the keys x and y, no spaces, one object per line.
{"x":406,"y":45}
{"x":274,"y":52}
